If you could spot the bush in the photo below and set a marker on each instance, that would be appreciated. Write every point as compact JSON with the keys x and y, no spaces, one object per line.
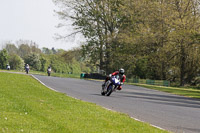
{"x":34,"y":61}
{"x":196,"y":82}
{"x":3,"y":58}
{"x":16,"y":62}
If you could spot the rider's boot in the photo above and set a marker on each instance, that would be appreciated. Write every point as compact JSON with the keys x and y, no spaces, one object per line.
{"x":119,"y":88}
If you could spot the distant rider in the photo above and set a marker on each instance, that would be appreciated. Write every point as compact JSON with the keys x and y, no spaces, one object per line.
{"x":122,"y":77}
{"x":27,"y":68}
{"x":8,"y":67}
{"x":49,"y":70}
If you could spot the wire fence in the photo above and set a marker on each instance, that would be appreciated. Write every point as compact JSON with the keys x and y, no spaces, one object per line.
{"x":148,"y":81}
{"x":129,"y":80}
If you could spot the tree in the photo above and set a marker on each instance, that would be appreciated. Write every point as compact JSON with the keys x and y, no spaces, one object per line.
{"x":160,"y":42}
{"x":24,"y":50}
{"x":53,"y":50}
{"x":98,"y":21}
{"x":16,"y":62}
{"x":34,"y":61}
{"x":75,"y":67}
{"x":44,"y":63}
{"x":35,"y":49}
{"x":11,"y":48}
{"x":185,"y":26}
{"x":3,"y":58}
{"x":46,"y":51}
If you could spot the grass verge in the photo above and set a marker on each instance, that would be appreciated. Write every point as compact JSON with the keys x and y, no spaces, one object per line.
{"x":28,"y":106}
{"x":64,"y":75}
{"x":188,"y":92}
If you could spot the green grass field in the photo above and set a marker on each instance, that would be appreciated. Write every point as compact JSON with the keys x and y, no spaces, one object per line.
{"x":27,"y":106}
{"x":187,"y":92}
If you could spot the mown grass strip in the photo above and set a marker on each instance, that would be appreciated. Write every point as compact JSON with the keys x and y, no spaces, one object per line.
{"x":188,"y":92}
{"x":28,"y":106}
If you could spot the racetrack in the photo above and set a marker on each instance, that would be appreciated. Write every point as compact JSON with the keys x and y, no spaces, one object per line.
{"x":174,"y":113}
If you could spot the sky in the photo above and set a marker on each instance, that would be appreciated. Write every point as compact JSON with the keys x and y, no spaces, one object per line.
{"x":33,"y":20}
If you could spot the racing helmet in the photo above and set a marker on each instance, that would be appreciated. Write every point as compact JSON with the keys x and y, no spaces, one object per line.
{"x":121,"y":71}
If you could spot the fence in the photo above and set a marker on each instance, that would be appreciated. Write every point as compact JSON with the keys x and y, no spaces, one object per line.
{"x":93,"y":76}
{"x":129,"y":80}
{"x":148,"y":81}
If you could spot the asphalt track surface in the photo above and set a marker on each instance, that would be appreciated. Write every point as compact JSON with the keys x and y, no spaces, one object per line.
{"x":173,"y":113}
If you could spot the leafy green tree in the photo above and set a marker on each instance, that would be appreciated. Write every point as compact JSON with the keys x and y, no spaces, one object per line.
{"x":46,"y":51}
{"x":58,"y":64}
{"x":35,"y":49}
{"x":11,"y":48}
{"x":160,"y":42}
{"x":186,"y":23}
{"x":3,"y":58}
{"x":24,"y":50}
{"x":53,"y":50}
{"x":141,"y":68}
{"x":71,"y":54}
{"x":44,"y":62}
{"x":34,"y":61}
{"x":98,"y":21}
{"x":75,"y":67}
{"x":16,"y":62}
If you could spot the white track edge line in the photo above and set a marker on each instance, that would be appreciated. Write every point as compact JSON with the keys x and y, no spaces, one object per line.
{"x":138,"y":120}
{"x":44,"y":84}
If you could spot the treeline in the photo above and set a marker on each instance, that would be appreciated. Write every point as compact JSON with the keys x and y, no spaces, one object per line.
{"x":155,"y":39}
{"x":61,"y":61}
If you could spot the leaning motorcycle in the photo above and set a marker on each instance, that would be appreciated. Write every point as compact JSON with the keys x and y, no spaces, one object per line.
{"x":111,"y":85}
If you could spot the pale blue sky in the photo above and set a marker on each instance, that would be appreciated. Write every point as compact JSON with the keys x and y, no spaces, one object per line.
{"x":32,"y":20}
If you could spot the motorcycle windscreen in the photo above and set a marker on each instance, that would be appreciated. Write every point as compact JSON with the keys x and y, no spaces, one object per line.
{"x":115,"y":81}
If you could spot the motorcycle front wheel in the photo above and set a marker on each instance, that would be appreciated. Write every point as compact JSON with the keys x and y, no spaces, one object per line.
{"x":109,"y":90}
{"x":102,"y":93}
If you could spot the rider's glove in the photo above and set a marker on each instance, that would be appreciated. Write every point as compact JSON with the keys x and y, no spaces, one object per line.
{"x":121,"y":83}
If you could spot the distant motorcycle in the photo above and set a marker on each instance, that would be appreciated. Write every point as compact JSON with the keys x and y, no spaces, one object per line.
{"x":49,"y":71}
{"x":111,"y":85}
{"x":27,"y":70}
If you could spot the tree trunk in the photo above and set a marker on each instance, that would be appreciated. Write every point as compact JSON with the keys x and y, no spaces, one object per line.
{"x":101,"y":64}
{"x":182,"y":66}
{"x":163,"y":71}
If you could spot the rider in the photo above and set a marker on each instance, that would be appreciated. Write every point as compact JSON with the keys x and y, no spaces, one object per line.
{"x":8,"y":67}
{"x":49,"y":70}
{"x":27,"y":68}
{"x":122,"y":77}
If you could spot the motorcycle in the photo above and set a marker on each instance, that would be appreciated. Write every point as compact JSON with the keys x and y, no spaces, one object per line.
{"x":49,"y":71}
{"x":111,"y":85}
{"x":27,"y":70}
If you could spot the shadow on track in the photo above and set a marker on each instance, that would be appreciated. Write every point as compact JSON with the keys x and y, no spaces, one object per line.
{"x":165,"y":99}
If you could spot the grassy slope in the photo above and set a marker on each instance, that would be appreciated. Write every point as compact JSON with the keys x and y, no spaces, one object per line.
{"x":27,"y":106}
